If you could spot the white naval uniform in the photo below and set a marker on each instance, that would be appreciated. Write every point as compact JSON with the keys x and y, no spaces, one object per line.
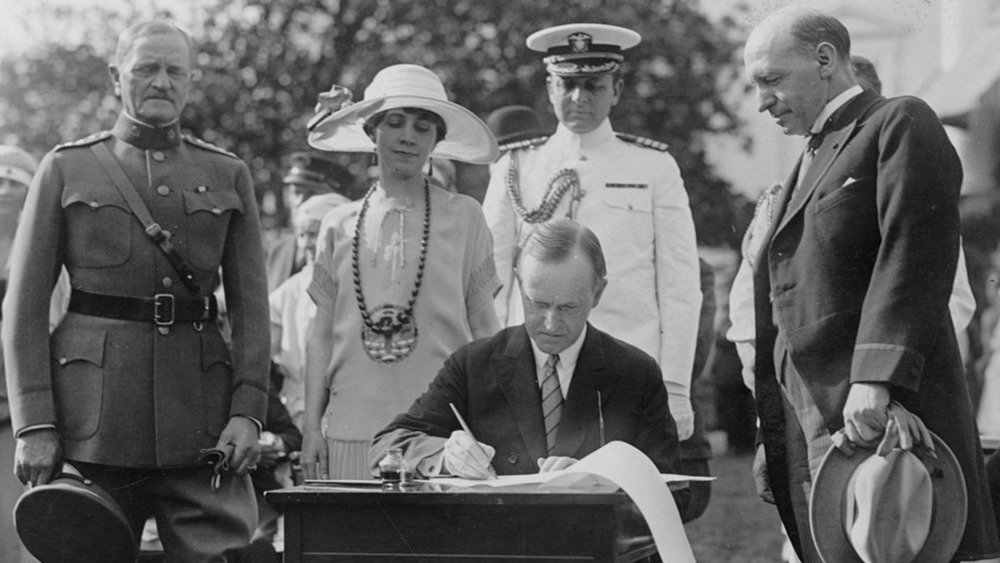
{"x":634,"y":201}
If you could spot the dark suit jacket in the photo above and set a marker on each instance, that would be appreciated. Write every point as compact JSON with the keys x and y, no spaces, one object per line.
{"x":492,"y":382}
{"x":856,"y":275}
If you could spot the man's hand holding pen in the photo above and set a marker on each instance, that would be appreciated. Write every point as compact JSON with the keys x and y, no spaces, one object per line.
{"x":465,"y":457}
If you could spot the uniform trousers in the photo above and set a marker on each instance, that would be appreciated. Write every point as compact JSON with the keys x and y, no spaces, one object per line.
{"x":195,"y":523}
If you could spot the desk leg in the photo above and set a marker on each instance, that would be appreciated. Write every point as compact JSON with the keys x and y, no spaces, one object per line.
{"x":293,"y":533}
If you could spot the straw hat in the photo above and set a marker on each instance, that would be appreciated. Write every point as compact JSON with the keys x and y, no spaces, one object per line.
{"x":902,"y":508}
{"x":468,"y":139}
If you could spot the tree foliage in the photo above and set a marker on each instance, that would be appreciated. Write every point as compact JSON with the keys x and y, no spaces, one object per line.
{"x":263,"y":62}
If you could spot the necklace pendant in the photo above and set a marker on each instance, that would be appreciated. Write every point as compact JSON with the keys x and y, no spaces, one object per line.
{"x":391,"y":336}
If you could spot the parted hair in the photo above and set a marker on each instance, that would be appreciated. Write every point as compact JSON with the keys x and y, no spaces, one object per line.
{"x":154,"y":27}
{"x":555,"y":241}
{"x":814,"y":27}
{"x":374,"y":121}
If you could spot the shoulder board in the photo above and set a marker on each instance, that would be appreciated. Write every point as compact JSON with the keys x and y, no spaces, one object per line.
{"x":525,"y":144}
{"x":207,"y":146}
{"x":86,"y":141}
{"x":643,"y":141}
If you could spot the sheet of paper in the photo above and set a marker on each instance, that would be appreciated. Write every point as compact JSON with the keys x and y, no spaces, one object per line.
{"x":557,"y":476}
{"x":628,"y":468}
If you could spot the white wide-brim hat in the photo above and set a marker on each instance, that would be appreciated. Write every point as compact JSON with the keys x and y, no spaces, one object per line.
{"x":468,"y":139}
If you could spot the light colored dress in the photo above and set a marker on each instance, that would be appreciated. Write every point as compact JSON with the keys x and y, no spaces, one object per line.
{"x":459,"y":278}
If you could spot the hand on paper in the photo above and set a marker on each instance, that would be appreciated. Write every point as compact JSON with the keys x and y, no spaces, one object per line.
{"x":554,"y":463}
{"x":465,"y":457}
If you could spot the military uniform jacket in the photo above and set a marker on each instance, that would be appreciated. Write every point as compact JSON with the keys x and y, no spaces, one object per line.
{"x":634,"y":201}
{"x":122,"y":392}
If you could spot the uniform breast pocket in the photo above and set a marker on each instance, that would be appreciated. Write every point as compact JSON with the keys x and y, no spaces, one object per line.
{"x":98,"y":226}
{"x":78,"y":378}
{"x":208,"y":214}
{"x":628,"y":213}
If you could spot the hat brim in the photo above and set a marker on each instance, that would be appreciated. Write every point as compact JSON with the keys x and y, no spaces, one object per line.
{"x":468,"y":139}
{"x":828,"y":503}
{"x":72,"y":519}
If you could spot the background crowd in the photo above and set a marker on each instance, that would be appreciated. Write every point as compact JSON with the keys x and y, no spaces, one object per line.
{"x":261,"y":67}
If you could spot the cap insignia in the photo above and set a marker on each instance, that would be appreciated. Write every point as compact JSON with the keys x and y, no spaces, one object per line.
{"x":580,"y":42}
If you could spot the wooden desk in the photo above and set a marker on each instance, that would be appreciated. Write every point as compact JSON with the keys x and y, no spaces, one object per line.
{"x":356,"y":524}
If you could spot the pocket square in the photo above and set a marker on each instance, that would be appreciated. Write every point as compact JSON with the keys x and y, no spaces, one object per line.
{"x":848,"y":181}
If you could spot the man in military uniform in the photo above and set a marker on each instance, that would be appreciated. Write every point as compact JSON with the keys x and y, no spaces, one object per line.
{"x":136,"y":381}
{"x":627,"y":189}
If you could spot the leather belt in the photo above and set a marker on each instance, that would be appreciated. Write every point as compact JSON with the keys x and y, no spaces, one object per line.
{"x":162,"y":309}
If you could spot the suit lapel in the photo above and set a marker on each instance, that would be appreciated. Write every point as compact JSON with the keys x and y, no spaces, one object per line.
{"x":580,"y":410}
{"x":843,"y":124}
{"x":516,"y":376}
{"x":825,"y":155}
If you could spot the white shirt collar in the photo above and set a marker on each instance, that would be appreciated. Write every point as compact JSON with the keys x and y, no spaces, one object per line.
{"x":832,"y":106}
{"x":567,"y":361}
{"x":600,"y":135}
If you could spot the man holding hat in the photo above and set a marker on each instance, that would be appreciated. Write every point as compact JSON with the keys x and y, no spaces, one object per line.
{"x":136,"y":387}
{"x":627,"y":189}
{"x":310,"y":174}
{"x":853,"y":279}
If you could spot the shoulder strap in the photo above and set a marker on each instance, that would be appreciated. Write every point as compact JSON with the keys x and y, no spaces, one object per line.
{"x":141,"y":212}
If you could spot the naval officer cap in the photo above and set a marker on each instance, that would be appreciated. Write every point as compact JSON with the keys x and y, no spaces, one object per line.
{"x":583,"y":48}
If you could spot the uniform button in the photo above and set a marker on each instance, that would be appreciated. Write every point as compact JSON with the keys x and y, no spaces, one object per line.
{"x":158,"y":156}
{"x":167,"y":282}
{"x":94,"y":204}
{"x":217,"y":211}
{"x":163,"y":190}
{"x":164,"y":330}
{"x":63,"y":360}
{"x":201,"y":189}
{"x":512,"y":458}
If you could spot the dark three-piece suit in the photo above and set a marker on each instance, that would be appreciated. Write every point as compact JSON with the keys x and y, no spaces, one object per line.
{"x":854,"y":281}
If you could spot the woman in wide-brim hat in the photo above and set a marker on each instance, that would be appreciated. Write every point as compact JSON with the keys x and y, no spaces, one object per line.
{"x":403,"y":277}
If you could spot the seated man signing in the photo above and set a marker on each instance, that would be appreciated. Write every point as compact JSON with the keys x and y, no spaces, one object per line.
{"x":534,"y":394}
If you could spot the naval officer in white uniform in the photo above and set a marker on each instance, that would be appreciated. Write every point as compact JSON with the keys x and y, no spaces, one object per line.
{"x":626,"y":189}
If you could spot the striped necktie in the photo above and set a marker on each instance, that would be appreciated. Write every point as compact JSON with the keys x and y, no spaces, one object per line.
{"x":552,"y":401}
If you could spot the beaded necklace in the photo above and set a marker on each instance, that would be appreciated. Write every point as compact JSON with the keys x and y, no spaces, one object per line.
{"x":564,"y":180}
{"x":389,"y":333}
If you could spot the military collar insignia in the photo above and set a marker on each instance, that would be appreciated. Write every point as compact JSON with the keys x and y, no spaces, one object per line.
{"x":144,"y":136}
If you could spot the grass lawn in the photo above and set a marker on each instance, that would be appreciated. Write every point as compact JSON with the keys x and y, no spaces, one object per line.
{"x":737,"y":526}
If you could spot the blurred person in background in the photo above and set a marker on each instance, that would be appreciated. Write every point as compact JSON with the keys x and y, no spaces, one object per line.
{"x":292,"y":310}
{"x":310,"y":174}
{"x":16,"y":170}
{"x":403,"y":277}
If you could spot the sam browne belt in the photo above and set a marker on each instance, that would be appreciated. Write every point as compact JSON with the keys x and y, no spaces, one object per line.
{"x":162,"y":309}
